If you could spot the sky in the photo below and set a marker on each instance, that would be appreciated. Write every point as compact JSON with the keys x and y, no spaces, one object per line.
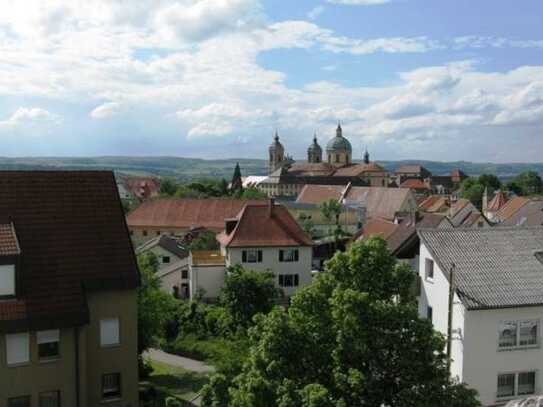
{"x":408,"y":79}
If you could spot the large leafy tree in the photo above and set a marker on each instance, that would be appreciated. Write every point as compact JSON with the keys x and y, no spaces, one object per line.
{"x":155,"y":307}
{"x":246,"y":293}
{"x":490,"y":181}
{"x":168,"y":186}
{"x":473,"y":190}
{"x":530,"y":182}
{"x":352,"y":338}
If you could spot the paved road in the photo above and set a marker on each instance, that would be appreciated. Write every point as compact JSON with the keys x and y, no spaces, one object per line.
{"x":179,"y":361}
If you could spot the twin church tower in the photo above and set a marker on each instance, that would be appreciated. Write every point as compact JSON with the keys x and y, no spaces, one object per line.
{"x":338,"y":152}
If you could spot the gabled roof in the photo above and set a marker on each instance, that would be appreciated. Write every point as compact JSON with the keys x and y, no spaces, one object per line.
{"x":72,"y":238}
{"x":497,"y":202}
{"x":169,"y":243}
{"x":412,"y":169}
{"x":510,"y":208}
{"x":9,"y":246}
{"x":354,"y":170}
{"x":317,"y":194}
{"x":265,"y":226}
{"x":186,"y":213}
{"x":494,"y":267}
{"x":434,"y":203}
{"x":416,"y":184}
{"x":530,"y":214}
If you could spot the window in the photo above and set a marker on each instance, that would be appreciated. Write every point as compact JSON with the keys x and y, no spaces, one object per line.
{"x":429,"y":269}
{"x":506,"y":385}
{"x":251,"y":256}
{"x":48,"y":344}
{"x":7,"y":280}
{"x":429,"y":313}
{"x":288,"y":255}
{"x":131,"y":232}
{"x":184,"y":274}
{"x":526,"y":383}
{"x":17,"y":348}
{"x":109,"y":332}
{"x":158,"y":232}
{"x":516,"y":384}
{"x":50,"y":399}
{"x":111,"y":385}
{"x":288,"y":280}
{"x":480,"y":224}
{"x":23,"y":401}
{"x":144,"y":232}
{"x":513,"y":334}
{"x":165,"y":259}
{"x":337,"y":158}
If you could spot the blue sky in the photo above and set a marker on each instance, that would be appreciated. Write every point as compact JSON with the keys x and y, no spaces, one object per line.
{"x":420,"y":79}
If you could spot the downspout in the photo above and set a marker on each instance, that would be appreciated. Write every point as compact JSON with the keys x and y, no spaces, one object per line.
{"x":450,"y":317}
{"x":77,"y":390}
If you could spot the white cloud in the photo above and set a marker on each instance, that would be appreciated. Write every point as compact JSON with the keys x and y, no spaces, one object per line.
{"x":24,"y":116}
{"x":474,"y":41}
{"x":315,"y":12}
{"x":105,"y":110}
{"x":359,"y":2}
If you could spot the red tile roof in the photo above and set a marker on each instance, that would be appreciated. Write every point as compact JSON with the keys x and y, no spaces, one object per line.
{"x":317,"y":194}
{"x":414,"y":184}
{"x":72,"y":234}
{"x":264,"y":226}
{"x":497,"y":202}
{"x":358,"y":169}
{"x":186,"y":213}
{"x":142,"y":187}
{"x":9,"y":246}
{"x":511,"y":207}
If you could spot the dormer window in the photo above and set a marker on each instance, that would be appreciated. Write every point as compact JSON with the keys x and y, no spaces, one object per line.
{"x":7,"y":280}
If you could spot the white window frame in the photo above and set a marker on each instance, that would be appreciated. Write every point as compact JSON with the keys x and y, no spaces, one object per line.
{"x":428,"y":261}
{"x":518,"y":324}
{"x":7,"y":280}
{"x":17,"y":349}
{"x":289,"y":255}
{"x":516,"y":393}
{"x":250,"y":253}
{"x":105,"y":342}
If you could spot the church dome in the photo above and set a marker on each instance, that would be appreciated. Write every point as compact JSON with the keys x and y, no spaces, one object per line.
{"x":314,"y":147}
{"x":338,"y":143}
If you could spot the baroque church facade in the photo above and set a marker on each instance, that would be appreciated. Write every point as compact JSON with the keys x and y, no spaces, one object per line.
{"x":287,"y":177}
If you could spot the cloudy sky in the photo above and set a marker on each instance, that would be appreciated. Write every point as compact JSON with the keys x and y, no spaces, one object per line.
{"x":421,"y":79}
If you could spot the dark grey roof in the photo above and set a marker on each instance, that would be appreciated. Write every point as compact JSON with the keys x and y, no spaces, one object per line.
{"x":176,"y":266}
{"x":494,"y":267}
{"x":168,"y":243}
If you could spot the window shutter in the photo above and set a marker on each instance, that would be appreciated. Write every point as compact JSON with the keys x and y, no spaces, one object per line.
{"x":109,"y":331}
{"x":244,"y":256}
{"x":296,"y":278}
{"x":280,"y":255}
{"x":7,"y":279}
{"x":17,"y":348}
{"x":296,"y":256}
{"x":48,"y":336}
{"x":260,"y":256}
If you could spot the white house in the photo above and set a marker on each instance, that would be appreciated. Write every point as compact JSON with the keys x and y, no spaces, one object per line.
{"x":173,"y":260}
{"x":497,"y":306}
{"x":262,"y":237}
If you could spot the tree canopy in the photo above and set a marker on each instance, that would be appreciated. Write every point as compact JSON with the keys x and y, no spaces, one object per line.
{"x":154,"y":305}
{"x":246,"y":293}
{"x":529,"y":182}
{"x":352,"y":338}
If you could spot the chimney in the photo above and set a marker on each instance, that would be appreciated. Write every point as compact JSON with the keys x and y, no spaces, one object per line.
{"x":271,"y":204}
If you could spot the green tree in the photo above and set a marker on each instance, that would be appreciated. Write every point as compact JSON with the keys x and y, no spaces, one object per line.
{"x":223,"y":187}
{"x":489,"y":181}
{"x":307,"y":224}
{"x":252,"y":193}
{"x":514,"y":187}
{"x":530,"y":182}
{"x":352,"y":338}
{"x":205,"y":241}
{"x":472,"y":190}
{"x":168,"y":187}
{"x":155,"y":307}
{"x":331,"y":210}
{"x":246,"y":293}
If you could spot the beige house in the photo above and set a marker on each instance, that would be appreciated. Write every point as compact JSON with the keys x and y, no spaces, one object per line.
{"x":178,"y":217}
{"x":68,"y":279}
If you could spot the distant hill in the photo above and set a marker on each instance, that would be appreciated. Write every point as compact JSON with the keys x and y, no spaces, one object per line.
{"x":185,"y":169}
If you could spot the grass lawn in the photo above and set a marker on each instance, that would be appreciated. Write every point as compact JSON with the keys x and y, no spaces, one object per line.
{"x":174,"y":381}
